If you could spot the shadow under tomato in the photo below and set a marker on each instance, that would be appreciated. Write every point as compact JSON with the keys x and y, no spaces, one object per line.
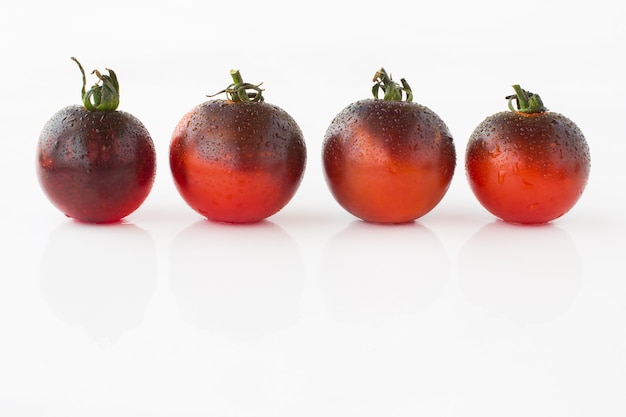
{"x":244,"y":280}
{"x":371,"y":271}
{"x":99,"y":277}
{"x":529,"y":274}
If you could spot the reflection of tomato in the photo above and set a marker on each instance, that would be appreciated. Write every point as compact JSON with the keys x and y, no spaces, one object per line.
{"x":358,"y":287}
{"x":492,"y":274}
{"x":95,"y":163}
{"x":245,"y":299}
{"x":529,"y":165}
{"x":238,"y":160}
{"x":388,"y":161}
{"x":105,"y":298}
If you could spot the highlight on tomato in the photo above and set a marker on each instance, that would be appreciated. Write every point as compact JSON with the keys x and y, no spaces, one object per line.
{"x":388,"y":160}
{"x":527,"y":165}
{"x":239,"y":159}
{"x":96,"y":164}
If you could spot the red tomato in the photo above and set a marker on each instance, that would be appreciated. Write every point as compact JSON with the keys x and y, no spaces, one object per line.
{"x":96,"y":164}
{"x":388,"y":161}
{"x":238,"y":160}
{"x":527,"y":165}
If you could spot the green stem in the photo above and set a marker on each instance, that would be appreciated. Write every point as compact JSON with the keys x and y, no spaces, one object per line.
{"x":392,"y":90}
{"x":527,"y":102}
{"x":101,"y":97}
{"x":238,"y":91}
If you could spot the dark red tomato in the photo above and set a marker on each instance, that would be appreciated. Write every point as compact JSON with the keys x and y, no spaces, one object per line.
{"x":527,"y":165}
{"x":95,"y":165}
{"x":388,"y":161}
{"x":238,"y":160}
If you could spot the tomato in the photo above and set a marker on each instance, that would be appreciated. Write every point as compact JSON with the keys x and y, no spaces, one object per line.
{"x":528,"y":165}
{"x":389,"y":160}
{"x":238,"y":160}
{"x":96,"y":164}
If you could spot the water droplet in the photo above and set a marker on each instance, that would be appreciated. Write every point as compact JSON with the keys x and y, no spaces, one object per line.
{"x":527,"y":184}
{"x":495,"y":152}
{"x":501,"y":176}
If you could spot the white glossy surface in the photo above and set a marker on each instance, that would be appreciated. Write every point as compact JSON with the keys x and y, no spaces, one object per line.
{"x":312,"y":312}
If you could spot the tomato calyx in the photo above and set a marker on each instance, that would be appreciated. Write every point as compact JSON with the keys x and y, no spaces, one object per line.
{"x":104,"y":95}
{"x":239,"y":91}
{"x":525,"y":101}
{"x":391,"y":89}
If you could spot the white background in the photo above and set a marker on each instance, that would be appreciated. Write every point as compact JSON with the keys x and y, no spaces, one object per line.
{"x":313,"y":313}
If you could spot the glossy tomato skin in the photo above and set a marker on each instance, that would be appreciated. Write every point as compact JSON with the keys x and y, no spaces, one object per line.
{"x":237,"y":162}
{"x":388,"y":161}
{"x":527,"y":168}
{"x":95,"y":166}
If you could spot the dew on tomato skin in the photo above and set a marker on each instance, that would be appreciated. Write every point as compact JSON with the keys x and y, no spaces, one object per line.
{"x":501,"y":176}
{"x":527,"y":184}
{"x":495,"y":152}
